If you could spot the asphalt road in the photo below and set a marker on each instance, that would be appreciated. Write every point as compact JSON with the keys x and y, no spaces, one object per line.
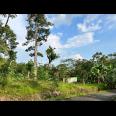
{"x":102,"y":96}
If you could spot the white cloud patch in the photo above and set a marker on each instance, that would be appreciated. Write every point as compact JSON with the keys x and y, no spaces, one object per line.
{"x":90,"y":23}
{"x":61,"y":19}
{"x":73,"y":56}
{"x":74,"y":42}
{"x":92,"y":17}
{"x":96,"y":22}
{"x":111,"y":21}
{"x":60,"y":34}
{"x":89,"y":27}
{"x":80,"y":40}
{"x":77,"y":57}
{"x":54,"y":41}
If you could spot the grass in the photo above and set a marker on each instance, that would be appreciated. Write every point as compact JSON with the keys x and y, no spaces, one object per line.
{"x":44,"y":90}
{"x":17,"y":90}
{"x":71,"y":90}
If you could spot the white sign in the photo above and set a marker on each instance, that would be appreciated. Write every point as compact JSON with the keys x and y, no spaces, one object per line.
{"x":72,"y":79}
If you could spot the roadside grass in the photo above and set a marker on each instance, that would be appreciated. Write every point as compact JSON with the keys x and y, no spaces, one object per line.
{"x":30,"y":90}
{"x":70,"y":90}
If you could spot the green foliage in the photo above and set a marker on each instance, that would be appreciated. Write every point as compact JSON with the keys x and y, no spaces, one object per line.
{"x":111,"y":79}
{"x":8,"y":39}
{"x":63,"y":71}
{"x":37,"y":25}
{"x":43,"y":73}
{"x":37,"y":31}
{"x":71,"y":90}
{"x":51,"y":55}
{"x":21,"y":68}
{"x":46,"y":73}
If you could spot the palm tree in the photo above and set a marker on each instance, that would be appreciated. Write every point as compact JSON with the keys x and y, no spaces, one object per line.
{"x":51,"y":55}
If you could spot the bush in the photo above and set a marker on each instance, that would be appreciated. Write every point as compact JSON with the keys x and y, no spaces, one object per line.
{"x":3,"y":82}
{"x":102,"y":86}
{"x":111,"y":79}
{"x":70,"y":90}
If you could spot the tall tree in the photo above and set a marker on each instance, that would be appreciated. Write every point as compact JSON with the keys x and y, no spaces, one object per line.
{"x":29,"y":67}
{"x":8,"y":39}
{"x":8,"y":45}
{"x":51,"y":55}
{"x":8,"y":17}
{"x":37,"y":32}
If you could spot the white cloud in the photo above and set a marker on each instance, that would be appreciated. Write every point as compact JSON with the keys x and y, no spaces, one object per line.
{"x":60,"y":34}
{"x":80,"y":40}
{"x":92,"y":17}
{"x":90,"y":23}
{"x":76,"y":41}
{"x":111,"y":21}
{"x":111,"y":18}
{"x":84,"y":27}
{"x":72,"y":56}
{"x":54,"y":41}
{"x":62,"y":19}
{"x":95,"y":22}
{"x":77,"y":56}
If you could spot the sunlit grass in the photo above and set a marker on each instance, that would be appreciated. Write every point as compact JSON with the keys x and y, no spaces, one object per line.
{"x":44,"y":90}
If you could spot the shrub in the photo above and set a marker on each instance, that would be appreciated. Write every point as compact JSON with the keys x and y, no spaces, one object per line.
{"x":102,"y":86}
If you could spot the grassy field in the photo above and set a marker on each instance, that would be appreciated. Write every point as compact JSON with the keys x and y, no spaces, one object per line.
{"x":28,"y":90}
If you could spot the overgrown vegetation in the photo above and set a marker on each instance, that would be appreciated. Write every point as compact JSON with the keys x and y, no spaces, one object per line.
{"x":30,"y":81}
{"x":43,"y":90}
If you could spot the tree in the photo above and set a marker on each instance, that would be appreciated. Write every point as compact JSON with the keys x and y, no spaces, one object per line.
{"x":101,"y":66}
{"x":3,"y":44}
{"x":21,"y":68}
{"x":51,"y":55}
{"x":63,"y":71}
{"x":8,"y":45}
{"x":37,"y":32}
{"x":112,"y":58}
{"x":82,"y":69}
{"x":70,"y":64}
{"x":8,"y":17}
{"x":8,"y":38}
{"x":29,"y":67}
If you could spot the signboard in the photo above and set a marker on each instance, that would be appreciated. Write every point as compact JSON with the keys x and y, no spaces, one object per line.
{"x":72,"y":80}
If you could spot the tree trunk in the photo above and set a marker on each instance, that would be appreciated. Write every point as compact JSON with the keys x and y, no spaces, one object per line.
{"x":49,"y":65}
{"x":28,"y":74}
{"x":35,"y":61}
{"x":83,"y":81}
{"x":35,"y":56}
{"x":98,"y":81}
{"x":7,"y":20}
{"x":63,"y":80}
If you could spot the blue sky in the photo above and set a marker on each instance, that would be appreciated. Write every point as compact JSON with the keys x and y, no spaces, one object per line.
{"x":73,"y":35}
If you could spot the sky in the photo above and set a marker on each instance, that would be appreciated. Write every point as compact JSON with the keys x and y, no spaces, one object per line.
{"x":74,"y":36}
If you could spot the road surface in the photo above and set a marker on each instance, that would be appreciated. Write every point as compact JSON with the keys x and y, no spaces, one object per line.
{"x":102,"y":96}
